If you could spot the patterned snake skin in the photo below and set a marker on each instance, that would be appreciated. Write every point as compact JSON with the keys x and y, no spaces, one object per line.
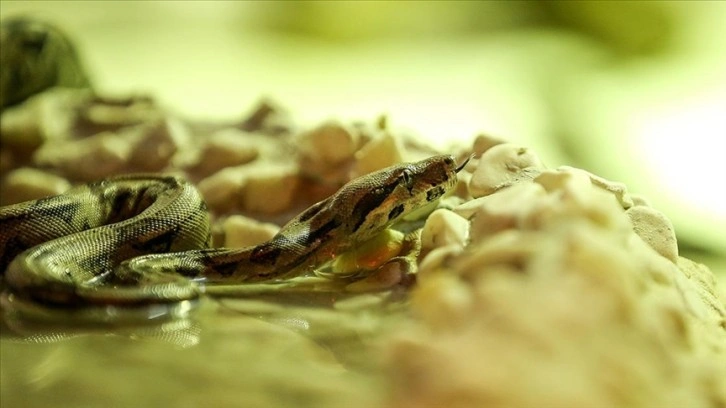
{"x":90,"y":229}
{"x":89,"y":246}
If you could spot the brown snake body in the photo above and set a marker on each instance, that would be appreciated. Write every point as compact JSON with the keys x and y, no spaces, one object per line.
{"x":141,"y":239}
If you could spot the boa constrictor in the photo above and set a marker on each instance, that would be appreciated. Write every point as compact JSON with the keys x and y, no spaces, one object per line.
{"x":140,"y":239}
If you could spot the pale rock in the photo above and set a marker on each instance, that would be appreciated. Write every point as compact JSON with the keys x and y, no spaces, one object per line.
{"x":331,"y":143}
{"x":157,"y":144}
{"x":461,"y":189}
{"x":123,"y":112}
{"x":617,"y":189}
{"x":442,"y":301}
{"x":556,"y":180}
{"x":436,"y":260}
{"x":704,"y":284}
{"x":484,"y":142}
{"x":19,"y":127}
{"x":510,"y":249}
{"x":145,"y":147}
{"x":225,"y":148}
{"x":87,"y":159}
{"x":640,"y":200}
{"x":655,"y":229}
{"x":381,"y":152}
{"x":573,"y":196}
{"x":222,"y":190}
{"x":270,"y":190}
{"x":26,"y":184}
{"x":444,"y":227}
{"x":46,"y":116}
{"x":503,"y":210}
{"x":652,"y":265}
{"x":241,"y":231}
{"x":268,"y":119}
{"x":503,"y":165}
{"x":267,"y":188}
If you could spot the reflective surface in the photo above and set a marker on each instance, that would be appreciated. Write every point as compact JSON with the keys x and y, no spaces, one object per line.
{"x":227,"y":353}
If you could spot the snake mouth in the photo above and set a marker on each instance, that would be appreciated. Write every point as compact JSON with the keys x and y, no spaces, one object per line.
{"x":462,"y":165}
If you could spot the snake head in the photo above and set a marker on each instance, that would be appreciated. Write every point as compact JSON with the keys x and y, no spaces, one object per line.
{"x":379,"y":199}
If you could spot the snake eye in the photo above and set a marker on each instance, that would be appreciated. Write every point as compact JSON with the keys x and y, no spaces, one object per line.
{"x":407,"y":179}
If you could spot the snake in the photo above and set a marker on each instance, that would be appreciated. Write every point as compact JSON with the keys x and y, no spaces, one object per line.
{"x":141,"y":239}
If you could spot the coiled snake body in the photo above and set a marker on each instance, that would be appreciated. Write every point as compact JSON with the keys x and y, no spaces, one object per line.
{"x":139,"y":239}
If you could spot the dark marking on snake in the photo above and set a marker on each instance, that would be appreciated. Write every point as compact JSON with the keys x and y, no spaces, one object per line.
{"x":312,"y":211}
{"x":434,"y":193}
{"x":13,"y":247}
{"x":315,"y":237}
{"x":226,"y":269}
{"x":395,"y":212}
{"x":370,"y":201}
{"x":158,"y":243}
{"x":119,"y":201}
{"x":100,"y":261}
{"x":64,"y":211}
{"x":266,"y":253}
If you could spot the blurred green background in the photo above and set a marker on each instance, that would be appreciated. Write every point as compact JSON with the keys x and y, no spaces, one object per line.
{"x":633,"y":91}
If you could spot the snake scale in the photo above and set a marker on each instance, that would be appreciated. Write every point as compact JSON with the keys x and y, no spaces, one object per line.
{"x":144,"y":239}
